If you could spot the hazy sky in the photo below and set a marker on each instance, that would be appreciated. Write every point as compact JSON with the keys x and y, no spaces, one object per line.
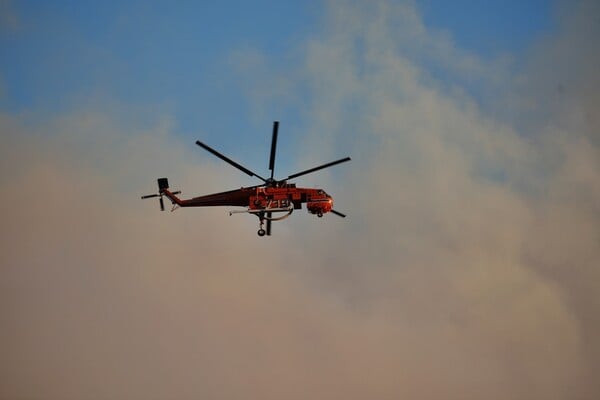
{"x":468,"y":266}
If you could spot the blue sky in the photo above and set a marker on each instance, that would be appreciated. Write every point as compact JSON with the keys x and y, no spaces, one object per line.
{"x":153,"y":58}
{"x":491,"y":27}
{"x":179,"y":57}
{"x":140,"y":52}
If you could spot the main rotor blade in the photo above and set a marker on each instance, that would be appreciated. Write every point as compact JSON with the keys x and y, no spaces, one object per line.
{"x":273,"y":148}
{"x":149,"y":196}
{"x":339,"y":214}
{"x":162,"y":204}
{"x":308,"y":171}
{"x":269,"y":223}
{"x":228,"y":160}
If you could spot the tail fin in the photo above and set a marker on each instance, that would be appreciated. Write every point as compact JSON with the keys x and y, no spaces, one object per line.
{"x":163,"y":183}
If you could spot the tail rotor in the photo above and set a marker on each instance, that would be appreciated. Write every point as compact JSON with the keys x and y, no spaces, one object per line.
{"x":163,"y":183}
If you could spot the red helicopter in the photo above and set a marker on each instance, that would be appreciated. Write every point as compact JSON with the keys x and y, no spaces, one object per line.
{"x":273,"y":196}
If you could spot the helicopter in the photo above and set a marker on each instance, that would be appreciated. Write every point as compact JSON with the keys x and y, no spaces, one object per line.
{"x":273,"y":200}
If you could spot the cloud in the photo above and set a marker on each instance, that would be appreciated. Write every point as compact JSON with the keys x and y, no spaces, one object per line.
{"x":467,"y":267}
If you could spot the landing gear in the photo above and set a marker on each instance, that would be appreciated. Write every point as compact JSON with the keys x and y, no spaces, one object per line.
{"x":261,"y":217}
{"x":320,"y":214}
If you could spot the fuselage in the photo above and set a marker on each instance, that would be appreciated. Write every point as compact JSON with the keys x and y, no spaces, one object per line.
{"x":263,"y":197}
